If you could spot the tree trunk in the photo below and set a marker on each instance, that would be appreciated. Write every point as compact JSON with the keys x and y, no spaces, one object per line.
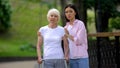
{"x":63,"y":4}
{"x":105,"y":18}
{"x":82,"y":10}
{"x":101,"y":18}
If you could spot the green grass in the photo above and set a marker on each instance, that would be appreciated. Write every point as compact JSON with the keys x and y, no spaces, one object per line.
{"x":26,"y":19}
{"x":8,"y":49}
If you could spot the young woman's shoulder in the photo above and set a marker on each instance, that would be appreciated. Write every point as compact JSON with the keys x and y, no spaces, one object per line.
{"x":80,"y":21}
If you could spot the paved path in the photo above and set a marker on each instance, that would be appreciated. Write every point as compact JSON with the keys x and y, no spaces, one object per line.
{"x":19,"y":64}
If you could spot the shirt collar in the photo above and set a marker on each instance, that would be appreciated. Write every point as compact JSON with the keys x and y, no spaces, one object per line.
{"x":76,"y":20}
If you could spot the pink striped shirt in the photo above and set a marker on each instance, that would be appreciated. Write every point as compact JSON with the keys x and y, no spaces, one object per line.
{"x":78,"y":47}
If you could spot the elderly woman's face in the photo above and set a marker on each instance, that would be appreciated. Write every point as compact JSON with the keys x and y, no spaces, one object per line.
{"x":53,"y":18}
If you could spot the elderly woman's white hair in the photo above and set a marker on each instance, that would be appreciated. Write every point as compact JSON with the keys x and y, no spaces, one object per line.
{"x":55,"y":11}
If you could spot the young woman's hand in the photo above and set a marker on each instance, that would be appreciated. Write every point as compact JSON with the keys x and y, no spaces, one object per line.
{"x":66,"y":32}
{"x":68,"y":35}
{"x":71,"y":37}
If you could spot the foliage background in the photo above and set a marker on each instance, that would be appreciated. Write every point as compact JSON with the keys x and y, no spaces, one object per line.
{"x":26,"y":18}
{"x":5,"y":14}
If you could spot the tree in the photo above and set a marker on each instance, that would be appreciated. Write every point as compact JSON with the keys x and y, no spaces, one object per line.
{"x":63,"y":4}
{"x":104,"y":10}
{"x":5,"y":13}
{"x":82,"y":8}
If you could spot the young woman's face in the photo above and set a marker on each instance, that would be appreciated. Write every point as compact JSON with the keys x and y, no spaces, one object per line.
{"x":53,"y":18}
{"x":70,"y":13}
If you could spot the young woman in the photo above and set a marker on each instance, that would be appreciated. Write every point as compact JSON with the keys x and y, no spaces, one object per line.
{"x":77,"y":36}
{"x":51,"y":36}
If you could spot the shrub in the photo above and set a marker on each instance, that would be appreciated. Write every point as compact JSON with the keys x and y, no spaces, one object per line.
{"x":5,"y":13}
{"x":115,"y":23}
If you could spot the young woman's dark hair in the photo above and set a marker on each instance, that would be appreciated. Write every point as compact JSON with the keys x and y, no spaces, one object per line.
{"x":74,"y":8}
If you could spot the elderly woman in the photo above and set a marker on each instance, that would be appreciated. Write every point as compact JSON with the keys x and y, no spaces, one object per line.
{"x":50,"y":36}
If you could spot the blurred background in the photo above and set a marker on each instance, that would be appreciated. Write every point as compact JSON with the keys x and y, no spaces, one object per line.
{"x":21,"y":19}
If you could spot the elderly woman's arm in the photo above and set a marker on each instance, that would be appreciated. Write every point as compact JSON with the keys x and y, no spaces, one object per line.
{"x":38,"y":47}
{"x":66,"y":47}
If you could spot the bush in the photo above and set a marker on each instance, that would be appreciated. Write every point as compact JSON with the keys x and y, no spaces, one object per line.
{"x":5,"y":13}
{"x":115,"y":23}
